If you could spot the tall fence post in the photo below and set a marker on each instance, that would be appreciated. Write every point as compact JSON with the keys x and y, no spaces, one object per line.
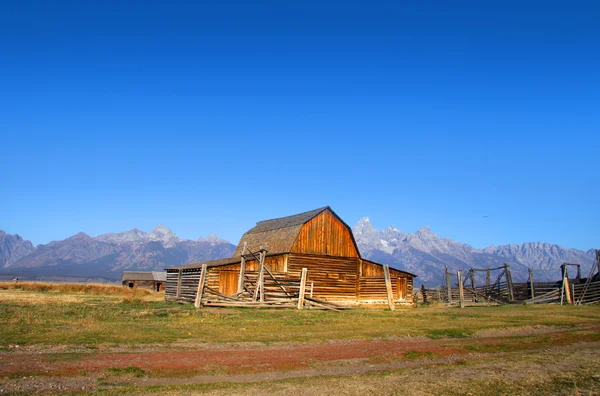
{"x":201,"y":283}
{"x":302,"y":288}
{"x":461,"y":294}
{"x":388,"y":287}
{"x":260,"y":286}
{"x":488,"y":277}
{"x":449,"y":285}
{"x":240,"y":288}
{"x":509,"y":283}
{"x":531,"y":286}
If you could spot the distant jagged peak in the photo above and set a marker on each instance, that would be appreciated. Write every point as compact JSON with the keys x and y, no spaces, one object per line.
{"x":363,"y":226}
{"x":15,"y":236}
{"x":213,"y":239}
{"x":425,"y":231}
{"x":80,"y":235}
{"x":163,"y":234}
{"x":132,"y":235}
{"x":161,"y":229}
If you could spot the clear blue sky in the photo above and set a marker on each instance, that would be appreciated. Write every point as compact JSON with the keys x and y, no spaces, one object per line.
{"x":210,"y":116}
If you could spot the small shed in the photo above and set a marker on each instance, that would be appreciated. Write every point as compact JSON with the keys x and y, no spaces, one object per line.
{"x":151,"y":280}
{"x":318,"y":242}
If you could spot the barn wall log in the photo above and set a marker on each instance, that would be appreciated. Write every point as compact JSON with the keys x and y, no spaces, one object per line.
{"x":333,"y":278}
{"x":372,"y":283}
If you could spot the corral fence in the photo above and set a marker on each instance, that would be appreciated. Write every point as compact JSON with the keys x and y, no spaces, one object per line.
{"x":495,"y":286}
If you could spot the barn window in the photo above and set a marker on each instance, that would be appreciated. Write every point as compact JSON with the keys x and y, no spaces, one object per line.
{"x":342,"y":277}
{"x":131,"y":285}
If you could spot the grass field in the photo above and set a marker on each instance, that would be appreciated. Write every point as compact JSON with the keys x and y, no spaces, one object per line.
{"x":110,"y":339}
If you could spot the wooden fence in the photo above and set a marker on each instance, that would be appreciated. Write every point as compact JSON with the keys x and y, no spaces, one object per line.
{"x":465,"y":291}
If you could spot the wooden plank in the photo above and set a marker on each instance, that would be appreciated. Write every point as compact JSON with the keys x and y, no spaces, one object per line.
{"x":511,"y":290}
{"x":200,"y":291}
{"x":179,"y":284}
{"x":449,"y":285}
{"x":242,"y":269}
{"x":531,"y":285}
{"x":302,"y":288}
{"x":388,"y":287}
{"x":261,"y":275}
{"x":259,"y":282}
{"x":568,"y":291}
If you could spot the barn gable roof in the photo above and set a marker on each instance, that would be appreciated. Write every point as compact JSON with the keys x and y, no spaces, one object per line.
{"x":277,"y":235}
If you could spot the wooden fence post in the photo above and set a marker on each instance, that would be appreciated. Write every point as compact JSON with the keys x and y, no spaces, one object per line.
{"x":388,"y":287}
{"x":449,"y":285}
{"x":566,"y":286}
{"x":242,"y":270}
{"x":201,"y":283}
{"x":179,"y":283}
{"x":509,"y":283}
{"x":531,"y":286}
{"x":461,"y":293}
{"x":488,"y":277}
{"x":260,"y":282}
{"x":302,"y":288}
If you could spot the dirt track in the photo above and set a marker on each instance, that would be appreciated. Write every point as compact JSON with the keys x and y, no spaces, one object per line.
{"x":39,"y":370}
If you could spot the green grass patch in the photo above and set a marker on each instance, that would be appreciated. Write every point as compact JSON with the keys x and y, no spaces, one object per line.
{"x":448,"y":333}
{"x":414,"y":355}
{"x":126,"y":371}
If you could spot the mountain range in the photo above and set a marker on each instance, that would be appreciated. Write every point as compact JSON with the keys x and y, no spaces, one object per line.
{"x":423,"y":253}
{"x":426,"y":254}
{"x":106,"y":256}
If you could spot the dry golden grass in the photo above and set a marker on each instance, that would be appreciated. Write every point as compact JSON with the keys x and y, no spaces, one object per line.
{"x":88,"y":288}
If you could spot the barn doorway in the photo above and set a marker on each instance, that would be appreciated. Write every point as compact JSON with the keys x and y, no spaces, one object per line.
{"x":158,"y":285}
{"x":130,"y":285}
{"x":228,"y":282}
{"x":401,"y":288}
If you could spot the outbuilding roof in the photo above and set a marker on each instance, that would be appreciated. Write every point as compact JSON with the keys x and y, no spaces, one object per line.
{"x":160,"y":276}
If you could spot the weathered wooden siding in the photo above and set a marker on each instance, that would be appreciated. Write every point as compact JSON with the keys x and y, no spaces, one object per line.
{"x":341,"y":279}
{"x":369,"y":269}
{"x":325,"y":235}
{"x":275,"y":264}
{"x":190,"y":277}
{"x":334,"y":278}
{"x":372,"y":283}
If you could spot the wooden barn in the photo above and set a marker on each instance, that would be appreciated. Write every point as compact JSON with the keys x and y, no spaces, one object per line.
{"x":310,"y":255}
{"x":151,"y":280}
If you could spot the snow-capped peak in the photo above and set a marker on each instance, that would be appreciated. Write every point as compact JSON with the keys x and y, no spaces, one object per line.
{"x":164,"y":235}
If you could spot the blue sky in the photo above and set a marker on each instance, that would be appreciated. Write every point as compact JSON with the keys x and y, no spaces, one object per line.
{"x":210,"y":116}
